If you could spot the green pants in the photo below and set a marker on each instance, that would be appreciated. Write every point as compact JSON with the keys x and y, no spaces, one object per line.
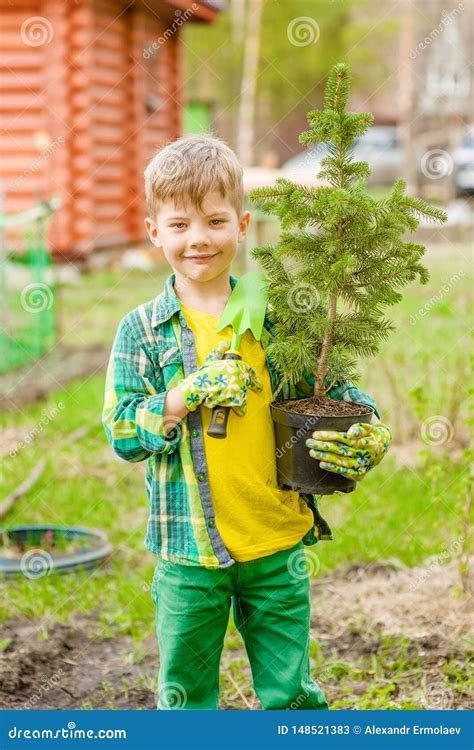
{"x":271,"y":609}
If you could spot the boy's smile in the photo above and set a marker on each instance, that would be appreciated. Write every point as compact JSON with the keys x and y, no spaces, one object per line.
{"x":198,"y":243}
{"x":201,"y":258}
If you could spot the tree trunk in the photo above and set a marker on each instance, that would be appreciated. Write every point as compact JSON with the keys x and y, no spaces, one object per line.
{"x":319,"y":390}
{"x":237,"y":11}
{"x":245,"y":134}
{"x":406,"y":98}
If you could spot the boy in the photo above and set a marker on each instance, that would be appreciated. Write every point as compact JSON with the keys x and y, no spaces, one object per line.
{"x":222,"y":529}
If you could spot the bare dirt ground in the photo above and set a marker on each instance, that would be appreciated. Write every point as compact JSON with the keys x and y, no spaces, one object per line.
{"x":376,"y":624}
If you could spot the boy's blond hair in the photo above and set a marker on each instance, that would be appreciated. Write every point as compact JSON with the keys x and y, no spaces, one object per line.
{"x":191,"y":167}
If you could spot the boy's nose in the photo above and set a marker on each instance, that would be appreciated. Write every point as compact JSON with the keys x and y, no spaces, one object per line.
{"x":198,"y":239}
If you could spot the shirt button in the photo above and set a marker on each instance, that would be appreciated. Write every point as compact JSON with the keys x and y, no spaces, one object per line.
{"x":189,"y":342}
{"x":201,"y":476}
{"x":211,"y":522}
{"x":194,"y":433}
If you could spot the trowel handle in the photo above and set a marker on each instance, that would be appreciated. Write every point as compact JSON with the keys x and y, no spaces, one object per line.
{"x":220,"y":414}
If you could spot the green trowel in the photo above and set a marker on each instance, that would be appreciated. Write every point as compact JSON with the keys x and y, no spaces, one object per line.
{"x":244,"y":311}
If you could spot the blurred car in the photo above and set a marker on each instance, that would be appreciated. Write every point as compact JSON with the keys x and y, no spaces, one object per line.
{"x":463,"y":164}
{"x":380,"y":147}
{"x":306,"y":161}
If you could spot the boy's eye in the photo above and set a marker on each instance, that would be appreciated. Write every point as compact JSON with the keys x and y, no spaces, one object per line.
{"x":179,"y":224}
{"x":219,"y":221}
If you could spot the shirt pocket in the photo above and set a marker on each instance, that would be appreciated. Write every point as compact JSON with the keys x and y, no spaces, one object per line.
{"x":170,"y":365}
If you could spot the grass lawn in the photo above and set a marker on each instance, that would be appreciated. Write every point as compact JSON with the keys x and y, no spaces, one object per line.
{"x":406,"y":513}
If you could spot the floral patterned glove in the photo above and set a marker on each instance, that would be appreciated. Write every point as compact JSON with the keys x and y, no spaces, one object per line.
{"x":352,"y":453}
{"x":220,"y":382}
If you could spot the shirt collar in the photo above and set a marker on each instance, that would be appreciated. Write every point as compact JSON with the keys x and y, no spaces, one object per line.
{"x":167,"y":304}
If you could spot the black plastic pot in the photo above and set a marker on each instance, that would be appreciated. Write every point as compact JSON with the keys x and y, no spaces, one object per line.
{"x":296,"y":469}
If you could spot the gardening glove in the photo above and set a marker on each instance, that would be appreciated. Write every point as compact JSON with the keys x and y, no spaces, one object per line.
{"x":220,"y":382}
{"x":352,"y":453}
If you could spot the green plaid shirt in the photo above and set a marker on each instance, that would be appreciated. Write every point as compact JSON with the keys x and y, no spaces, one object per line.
{"x":153,"y":350}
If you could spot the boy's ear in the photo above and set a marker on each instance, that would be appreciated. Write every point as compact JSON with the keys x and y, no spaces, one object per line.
{"x":243,"y":225}
{"x":152,"y":230}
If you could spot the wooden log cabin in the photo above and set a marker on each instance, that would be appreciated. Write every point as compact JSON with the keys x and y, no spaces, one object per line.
{"x":90,"y":90}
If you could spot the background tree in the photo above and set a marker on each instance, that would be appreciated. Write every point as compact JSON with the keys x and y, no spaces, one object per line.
{"x":341,"y":257}
{"x":248,"y":87}
{"x":289,"y":76}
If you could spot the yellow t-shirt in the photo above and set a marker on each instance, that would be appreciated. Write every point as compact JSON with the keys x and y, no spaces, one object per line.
{"x":254,"y":517}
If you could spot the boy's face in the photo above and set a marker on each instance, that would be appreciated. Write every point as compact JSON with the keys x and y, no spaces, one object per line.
{"x":198,"y":244}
